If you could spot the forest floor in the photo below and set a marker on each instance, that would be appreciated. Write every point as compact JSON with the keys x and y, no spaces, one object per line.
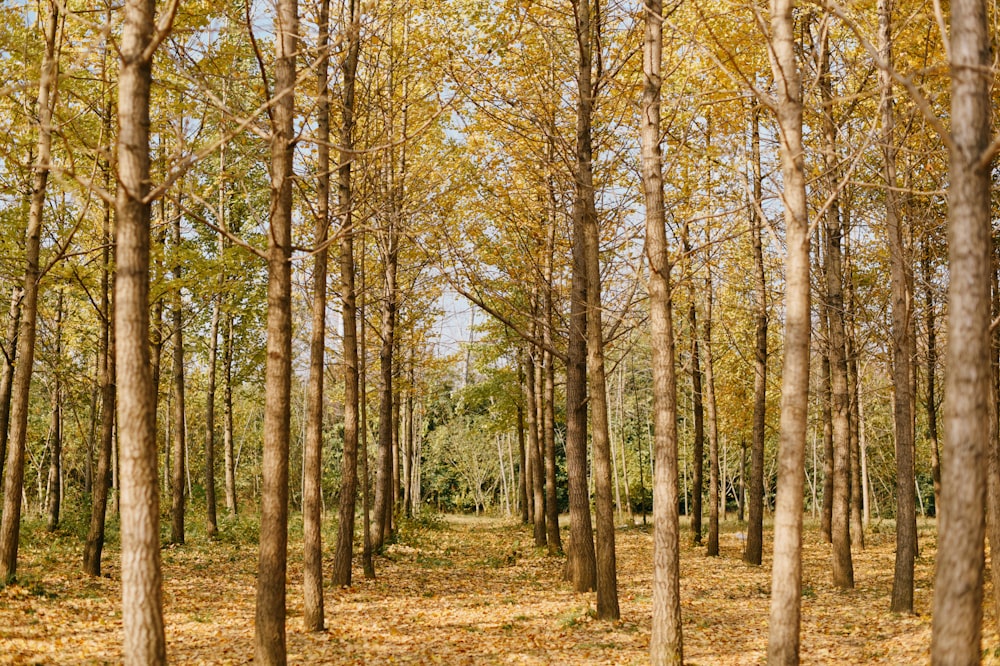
{"x":466,"y":590}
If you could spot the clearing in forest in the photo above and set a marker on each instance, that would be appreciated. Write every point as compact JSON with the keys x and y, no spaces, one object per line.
{"x":466,"y":590}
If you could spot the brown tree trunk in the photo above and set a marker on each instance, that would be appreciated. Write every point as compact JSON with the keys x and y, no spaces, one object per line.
{"x":269,"y":637}
{"x":383,"y":478}
{"x":7,"y":373}
{"x":54,"y":492}
{"x":368,"y":563}
{"x":106,"y":381}
{"x":858,"y":499}
{"x":753,"y":553}
{"x":666,"y":644}
{"x":840,"y":526}
{"x":786,"y":576}
{"x":534,"y":449}
{"x":958,"y":607}
{"x":826,"y":400}
{"x":14,"y":473}
{"x":227,"y":416}
{"x":548,"y":430}
{"x":522,"y":476}
{"x":932,"y":427}
{"x":581,"y":566}
{"x":697,"y":406}
{"x":211,"y":519}
{"x":902,"y":350}
{"x":142,"y":615}
{"x":179,"y":457}
{"x":312,"y":472}
{"x":713,"y":425}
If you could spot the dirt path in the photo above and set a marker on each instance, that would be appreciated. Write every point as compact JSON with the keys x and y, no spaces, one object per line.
{"x":464,"y":591}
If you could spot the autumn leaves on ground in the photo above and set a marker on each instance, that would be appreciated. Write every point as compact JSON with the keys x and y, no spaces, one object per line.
{"x":463,"y":589}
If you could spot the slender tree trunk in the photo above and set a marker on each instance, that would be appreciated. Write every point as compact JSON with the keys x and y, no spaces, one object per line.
{"x":666,"y":644}
{"x":932,"y":427}
{"x":106,"y":382}
{"x":958,"y":607}
{"x":840,"y":533}
{"x":535,"y":452}
{"x":581,"y":566}
{"x":826,"y":400}
{"x":906,"y":526}
{"x":366,"y":554}
{"x":522,"y":475}
{"x":697,"y":406}
{"x":858,"y":500}
{"x":227,"y":416}
{"x":7,"y":373}
{"x":142,"y":615}
{"x":269,"y":638}
{"x":211,"y":521}
{"x":786,"y":576}
{"x":548,"y":430}
{"x":54,"y":491}
{"x":753,"y":552}
{"x":993,"y":445}
{"x":312,"y":473}
{"x":713,"y":426}
{"x":177,"y":499}
{"x":384,"y":481}
{"x":14,"y":473}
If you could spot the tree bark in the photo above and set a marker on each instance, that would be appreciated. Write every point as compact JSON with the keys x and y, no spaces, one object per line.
{"x":7,"y":374}
{"x":534,"y":450}
{"x":713,"y":426}
{"x":697,"y":406}
{"x":312,"y":501}
{"x":269,"y":637}
{"x":179,"y":457}
{"x":957,"y":624}
{"x":932,"y":427}
{"x":14,"y":473}
{"x":753,"y":553}
{"x":142,"y":615}
{"x":666,"y":644}
{"x":227,"y":416}
{"x":786,"y":575}
{"x":383,"y":479}
{"x":55,"y":443}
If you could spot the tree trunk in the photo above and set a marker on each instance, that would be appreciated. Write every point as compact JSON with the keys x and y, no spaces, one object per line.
{"x":269,"y":638}
{"x":54,"y":491}
{"x":786,"y":584}
{"x":666,"y":644}
{"x":840,"y":526}
{"x":713,"y":426}
{"x":534,"y":449}
{"x":547,"y":439}
{"x":581,"y":566}
{"x":227,"y":416}
{"x":958,"y":607}
{"x":7,"y":374}
{"x":906,"y":526}
{"x":383,"y":479}
{"x":14,"y":473}
{"x":697,"y":406}
{"x":754,"y":497}
{"x":142,"y":615}
{"x":932,"y":428}
{"x":522,"y":475}
{"x":177,"y":499}
{"x":211,"y":521}
{"x":858,"y":499}
{"x":366,"y":553}
{"x":312,"y":473}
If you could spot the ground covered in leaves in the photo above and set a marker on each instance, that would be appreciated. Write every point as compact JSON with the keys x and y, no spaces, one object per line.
{"x":465,"y":590}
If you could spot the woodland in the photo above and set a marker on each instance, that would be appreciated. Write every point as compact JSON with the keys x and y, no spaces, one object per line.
{"x":726,"y":393}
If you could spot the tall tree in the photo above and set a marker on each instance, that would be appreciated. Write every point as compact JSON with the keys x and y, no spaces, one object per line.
{"x":269,"y":637}
{"x":753,"y":553}
{"x":179,"y":457}
{"x":957,"y":624}
{"x":349,"y":473}
{"x":312,"y":532}
{"x":142,"y":606}
{"x":666,"y":644}
{"x":697,"y":405}
{"x":14,"y":473}
{"x":54,"y":492}
{"x":786,"y":574}
{"x":906,"y":516}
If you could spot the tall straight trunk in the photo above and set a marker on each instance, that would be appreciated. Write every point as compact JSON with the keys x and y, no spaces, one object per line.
{"x":604,"y":509}
{"x":957,"y":625}
{"x":840,"y":532}
{"x":396,"y":450}
{"x":14,"y":473}
{"x":581,"y":566}
{"x":902,"y":350}
{"x":367,"y":562}
{"x":666,"y":644}
{"x":312,"y":473}
{"x":106,"y":383}
{"x":786,"y":576}
{"x":383,"y":479}
{"x":269,"y":636}
{"x":826,"y":401}
{"x":859,"y":500}
{"x":227,"y":415}
{"x":534,"y":450}
{"x":142,"y":614}
{"x":211,"y":519}
{"x":522,"y":475}
{"x":179,"y":456}
{"x":697,"y":406}
{"x":54,"y":491}
{"x":7,"y":373}
{"x":548,"y":429}
{"x":931,"y":325}
{"x":754,"y":496}
{"x":408,"y":424}
{"x":713,"y":425}
{"x":993,"y":444}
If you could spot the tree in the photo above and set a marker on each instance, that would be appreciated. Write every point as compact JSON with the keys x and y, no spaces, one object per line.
{"x":14,"y":473}
{"x":958,"y":578}
{"x":269,"y":636}
{"x":786,"y":573}
{"x":179,"y":457}
{"x":666,"y":643}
